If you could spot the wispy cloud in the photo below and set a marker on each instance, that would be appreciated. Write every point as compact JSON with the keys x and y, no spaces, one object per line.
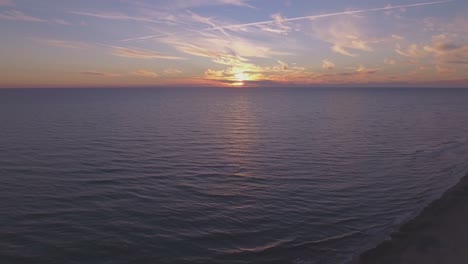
{"x":447,"y":53}
{"x":172,"y":71}
{"x":184,"y":4}
{"x":278,"y":23}
{"x":97,"y":73}
{"x":343,"y":51}
{"x":227,"y":51}
{"x":344,"y":34}
{"x":204,"y":20}
{"x":328,"y":65}
{"x":313,"y":17}
{"x":141,"y":54}
{"x":280,"y":26}
{"x":15,"y":15}
{"x":66,"y":43}
{"x":249,"y":72}
{"x":444,"y":45}
{"x":6,"y":3}
{"x":388,"y":61}
{"x":145,"y":73}
{"x":283,"y":65}
{"x":412,"y":51}
{"x":115,"y":16}
{"x":363,"y":70}
{"x":251,"y":41}
{"x":61,"y":22}
{"x":223,"y":2}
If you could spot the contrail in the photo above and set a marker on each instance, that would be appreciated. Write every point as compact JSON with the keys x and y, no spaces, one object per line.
{"x":328,"y":15}
{"x":304,"y":18}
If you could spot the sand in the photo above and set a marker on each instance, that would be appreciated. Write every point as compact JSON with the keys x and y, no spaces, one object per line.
{"x":438,"y":235}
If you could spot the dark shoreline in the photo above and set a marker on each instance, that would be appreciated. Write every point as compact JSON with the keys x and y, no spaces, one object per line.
{"x":439,"y":234}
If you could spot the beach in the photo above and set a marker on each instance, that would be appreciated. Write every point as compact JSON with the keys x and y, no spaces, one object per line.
{"x":438,"y":235}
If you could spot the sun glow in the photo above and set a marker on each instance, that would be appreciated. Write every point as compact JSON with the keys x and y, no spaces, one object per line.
{"x":240,"y":78}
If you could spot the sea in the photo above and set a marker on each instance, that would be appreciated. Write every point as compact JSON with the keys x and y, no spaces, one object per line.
{"x":220,"y":175}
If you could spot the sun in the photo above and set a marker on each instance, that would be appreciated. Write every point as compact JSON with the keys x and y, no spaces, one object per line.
{"x":240,"y":77}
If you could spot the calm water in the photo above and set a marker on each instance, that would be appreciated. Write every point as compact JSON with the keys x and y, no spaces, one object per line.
{"x":220,"y":175}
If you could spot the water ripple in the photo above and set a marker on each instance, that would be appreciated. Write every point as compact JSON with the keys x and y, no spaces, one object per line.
{"x":220,"y":176}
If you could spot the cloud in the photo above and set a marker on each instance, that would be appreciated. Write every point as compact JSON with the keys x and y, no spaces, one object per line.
{"x":172,"y":71}
{"x":97,"y":73}
{"x":284,"y":65}
{"x":344,"y":13}
{"x":222,"y":50}
{"x":61,"y":22}
{"x":443,"y":49}
{"x":115,"y":16}
{"x":228,"y":2}
{"x":447,"y":52}
{"x":328,"y":65}
{"x":279,"y":26}
{"x":66,"y":44}
{"x":182,"y":4}
{"x":442,"y":69}
{"x":443,"y":45}
{"x":276,"y":25}
{"x":204,"y":20}
{"x":145,"y":73}
{"x":363,"y":70}
{"x":389,"y":61}
{"x":413,"y":51}
{"x":249,"y":72}
{"x":158,"y":13}
{"x":7,"y":3}
{"x":141,"y":54}
{"x":341,"y":50}
{"x":458,"y":24}
{"x":344,"y":34}
{"x":15,"y":15}
{"x":359,"y":74}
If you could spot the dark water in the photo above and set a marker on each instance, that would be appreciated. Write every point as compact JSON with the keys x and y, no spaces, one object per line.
{"x":220,"y":175}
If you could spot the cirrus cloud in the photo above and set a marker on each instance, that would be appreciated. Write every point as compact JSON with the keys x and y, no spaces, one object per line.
{"x":16,"y":15}
{"x":141,"y":54}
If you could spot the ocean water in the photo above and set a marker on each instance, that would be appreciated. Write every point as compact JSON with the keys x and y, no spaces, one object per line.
{"x":220,"y":175}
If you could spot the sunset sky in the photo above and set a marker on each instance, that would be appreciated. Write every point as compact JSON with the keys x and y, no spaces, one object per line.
{"x":126,"y":43}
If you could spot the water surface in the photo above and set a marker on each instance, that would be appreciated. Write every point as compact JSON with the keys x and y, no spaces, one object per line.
{"x":220,"y":175}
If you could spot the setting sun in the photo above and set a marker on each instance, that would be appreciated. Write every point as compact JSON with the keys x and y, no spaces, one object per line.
{"x":240,"y":77}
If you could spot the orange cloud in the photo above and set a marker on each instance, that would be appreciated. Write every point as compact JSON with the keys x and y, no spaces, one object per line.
{"x":145,"y":73}
{"x":66,"y":44}
{"x":141,"y":54}
{"x":328,"y":65}
{"x":97,"y":73}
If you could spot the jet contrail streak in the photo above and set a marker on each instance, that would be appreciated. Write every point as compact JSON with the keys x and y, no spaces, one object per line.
{"x":328,"y":15}
{"x":305,"y":18}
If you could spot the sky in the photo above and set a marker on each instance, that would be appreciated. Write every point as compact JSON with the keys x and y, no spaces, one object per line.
{"x":233,"y":43}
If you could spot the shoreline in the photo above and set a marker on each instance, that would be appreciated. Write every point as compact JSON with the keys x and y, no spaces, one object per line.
{"x":439,"y":234}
